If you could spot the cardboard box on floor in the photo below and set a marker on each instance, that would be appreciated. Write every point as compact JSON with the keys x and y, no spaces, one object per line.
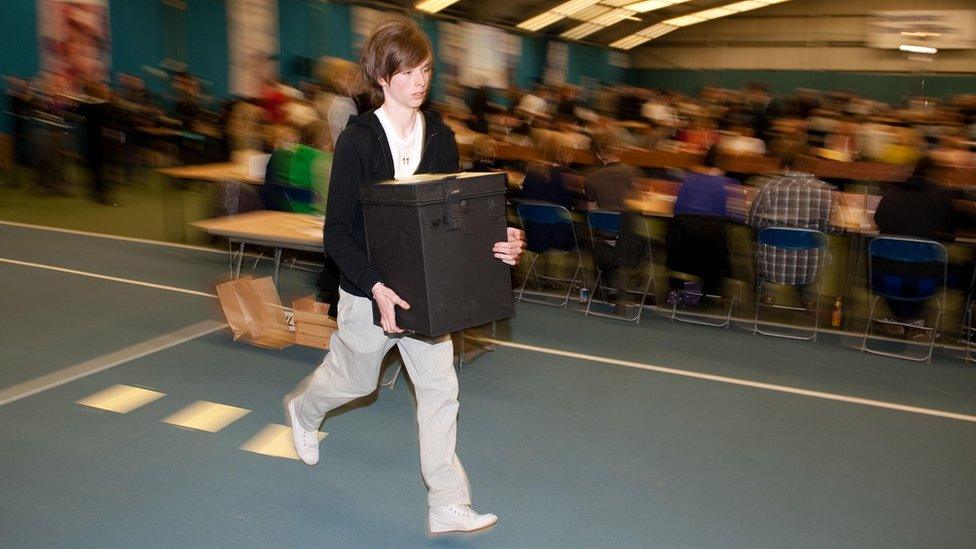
{"x":254,"y":312}
{"x":255,"y":315}
{"x":313,"y":327}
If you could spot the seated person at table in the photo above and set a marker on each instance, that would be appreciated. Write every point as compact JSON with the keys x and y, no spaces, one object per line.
{"x":696,"y":240}
{"x":700,"y":135}
{"x":485,"y":155}
{"x":916,"y":208}
{"x":544,"y":179}
{"x":739,"y":140}
{"x":794,"y":199}
{"x":611,"y":187}
{"x":302,"y":167}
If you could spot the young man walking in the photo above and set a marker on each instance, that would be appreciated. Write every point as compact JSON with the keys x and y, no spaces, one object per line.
{"x":396,"y":140}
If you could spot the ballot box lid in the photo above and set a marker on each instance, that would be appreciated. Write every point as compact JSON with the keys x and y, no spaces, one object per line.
{"x":423,"y":189}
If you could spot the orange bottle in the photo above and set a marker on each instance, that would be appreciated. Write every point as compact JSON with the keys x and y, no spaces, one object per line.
{"x":835,"y":317}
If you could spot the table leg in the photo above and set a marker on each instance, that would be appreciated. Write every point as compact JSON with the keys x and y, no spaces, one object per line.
{"x":235,"y":259}
{"x":277,"y":265}
{"x":467,"y":357}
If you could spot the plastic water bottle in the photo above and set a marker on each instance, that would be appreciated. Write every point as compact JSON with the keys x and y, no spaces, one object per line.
{"x":584,"y":295}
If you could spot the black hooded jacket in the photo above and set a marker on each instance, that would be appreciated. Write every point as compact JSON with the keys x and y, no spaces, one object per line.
{"x":363,"y":157}
{"x":916,"y":208}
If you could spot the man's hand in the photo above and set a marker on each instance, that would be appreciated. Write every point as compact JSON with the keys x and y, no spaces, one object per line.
{"x":387,"y":300}
{"x":510,"y":251}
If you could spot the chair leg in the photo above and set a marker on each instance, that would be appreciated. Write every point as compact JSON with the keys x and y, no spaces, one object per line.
{"x":527,"y":275}
{"x":935,"y":334}
{"x":755,"y":319}
{"x":596,"y":284}
{"x":867,"y":328}
{"x":461,"y":344}
{"x":965,"y":330}
{"x":816,"y":318}
{"x":572,"y":283}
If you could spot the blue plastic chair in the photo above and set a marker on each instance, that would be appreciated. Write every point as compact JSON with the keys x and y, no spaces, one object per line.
{"x":789,"y":240}
{"x":605,"y":224}
{"x":548,"y":231}
{"x":910,"y":252}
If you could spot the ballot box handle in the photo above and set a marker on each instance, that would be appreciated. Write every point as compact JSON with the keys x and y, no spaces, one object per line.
{"x":452,"y":202}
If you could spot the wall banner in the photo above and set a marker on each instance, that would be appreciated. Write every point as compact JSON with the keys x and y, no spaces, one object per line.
{"x":75,"y":41}
{"x":942,"y":29}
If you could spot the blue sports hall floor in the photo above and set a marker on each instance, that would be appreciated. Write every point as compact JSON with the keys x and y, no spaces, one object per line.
{"x":577,"y":431}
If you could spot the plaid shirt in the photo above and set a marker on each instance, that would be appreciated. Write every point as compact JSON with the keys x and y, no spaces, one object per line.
{"x":792,"y":200}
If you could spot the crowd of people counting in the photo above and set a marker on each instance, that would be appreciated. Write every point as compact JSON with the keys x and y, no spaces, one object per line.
{"x":116,"y":131}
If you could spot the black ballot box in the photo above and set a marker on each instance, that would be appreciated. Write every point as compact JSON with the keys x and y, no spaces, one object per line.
{"x":431,"y":237}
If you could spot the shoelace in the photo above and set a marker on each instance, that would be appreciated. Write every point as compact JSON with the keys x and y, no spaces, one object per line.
{"x":308,"y":436}
{"x":464,"y":510}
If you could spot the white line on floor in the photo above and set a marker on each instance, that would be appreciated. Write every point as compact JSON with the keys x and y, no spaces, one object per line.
{"x":733,"y":380}
{"x":113,"y":237}
{"x":593,"y":358}
{"x":111,"y":360}
{"x":139,"y":240}
{"x":106,"y":277}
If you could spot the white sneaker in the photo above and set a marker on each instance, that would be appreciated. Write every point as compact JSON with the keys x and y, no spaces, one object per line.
{"x":306,"y":442}
{"x":457,"y":518}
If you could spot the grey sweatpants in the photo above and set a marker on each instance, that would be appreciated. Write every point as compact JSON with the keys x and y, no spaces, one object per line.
{"x":351,"y":370}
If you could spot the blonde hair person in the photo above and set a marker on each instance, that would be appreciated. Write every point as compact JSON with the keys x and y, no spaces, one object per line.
{"x":395,"y":140}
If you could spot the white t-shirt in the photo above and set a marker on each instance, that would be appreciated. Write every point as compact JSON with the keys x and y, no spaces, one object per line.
{"x":406,"y":152}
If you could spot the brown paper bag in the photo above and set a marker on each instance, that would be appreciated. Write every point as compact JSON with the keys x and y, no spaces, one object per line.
{"x":254,"y":312}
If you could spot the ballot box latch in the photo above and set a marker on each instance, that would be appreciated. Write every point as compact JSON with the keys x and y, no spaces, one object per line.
{"x":453,"y":203}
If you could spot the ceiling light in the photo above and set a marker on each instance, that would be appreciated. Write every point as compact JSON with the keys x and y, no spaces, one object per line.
{"x":629,"y":42}
{"x":540,"y":21}
{"x":642,"y":36}
{"x":651,"y":5}
{"x":612,"y":18}
{"x":434,"y":6}
{"x":573,"y":6}
{"x":591,"y":12}
{"x":581,"y":31}
{"x":556,"y":14}
{"x":917,"y":49}
{"x":722,"y":11}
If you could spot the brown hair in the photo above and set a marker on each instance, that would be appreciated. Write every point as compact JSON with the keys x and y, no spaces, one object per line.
{"x":606,"y":145}
{"x":396,"y":44}
{"x":315,"y":135}
{"x":793,"y":156}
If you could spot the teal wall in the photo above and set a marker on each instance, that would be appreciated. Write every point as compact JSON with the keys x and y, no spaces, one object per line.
{"x":309,"y":29}
{"x":147,"y":32}
{"x":137,"y":36}
{"x":880,"y":86}
{"x":587,"y":63}
{"x":532,"y":62}
{"x":207,"y":55}
{"x":429,"y":26}
{"x":18,"y":46}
